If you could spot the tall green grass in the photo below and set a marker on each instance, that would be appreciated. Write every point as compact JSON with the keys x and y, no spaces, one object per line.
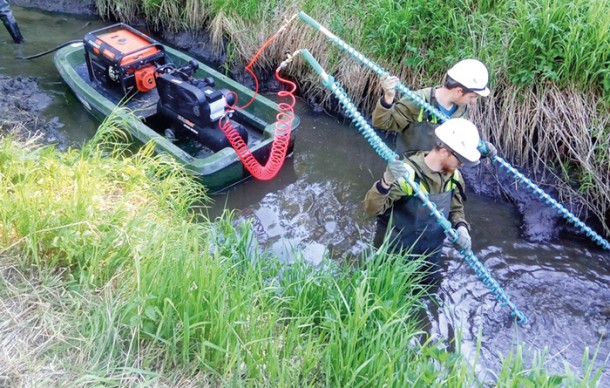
{"x":91,"y":209}
{"x":565,"y":42}
{"x":245,"y":316}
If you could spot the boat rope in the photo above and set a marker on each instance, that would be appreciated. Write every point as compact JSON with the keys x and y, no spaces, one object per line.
{"x":561,"y":210}
{"x":386,"y":153}
{"x":283,"y":123}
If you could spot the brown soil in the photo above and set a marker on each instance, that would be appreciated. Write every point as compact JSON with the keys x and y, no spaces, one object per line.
{"x":20,"y":109}
{"x":76,"y":7}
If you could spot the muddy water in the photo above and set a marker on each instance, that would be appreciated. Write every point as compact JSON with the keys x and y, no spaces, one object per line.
{"x":314,"y":207}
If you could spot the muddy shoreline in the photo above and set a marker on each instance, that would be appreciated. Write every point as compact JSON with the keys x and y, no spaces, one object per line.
{"x":21,"y":113}
{"x":74,"y":7}
{"x":20,"y":108}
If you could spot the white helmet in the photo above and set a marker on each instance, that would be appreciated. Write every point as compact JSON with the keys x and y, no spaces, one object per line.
{"x":462,"y":137}
{"x":472,"y":74}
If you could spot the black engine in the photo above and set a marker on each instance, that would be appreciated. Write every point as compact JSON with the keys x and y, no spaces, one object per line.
{"x":193,"y":107}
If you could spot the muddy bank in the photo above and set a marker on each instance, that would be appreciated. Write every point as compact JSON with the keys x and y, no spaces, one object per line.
{"x":20,"y":111}
{"x":199,"y":45}
{"x":74,"y":7}
{"x":540,"y":222}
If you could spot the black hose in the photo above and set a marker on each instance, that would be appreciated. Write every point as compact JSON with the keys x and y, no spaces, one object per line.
{"x":51,"y":50}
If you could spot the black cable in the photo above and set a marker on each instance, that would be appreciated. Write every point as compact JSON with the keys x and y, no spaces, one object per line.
{"x":51,"y":50}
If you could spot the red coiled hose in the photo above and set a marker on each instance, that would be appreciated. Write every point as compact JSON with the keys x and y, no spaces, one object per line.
{"x":283,"y":124}
{"x":281,"y":137}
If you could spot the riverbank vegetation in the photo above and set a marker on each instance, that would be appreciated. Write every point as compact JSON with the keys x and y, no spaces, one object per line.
{"x":549,"y":62}
{"x":111,"y":277}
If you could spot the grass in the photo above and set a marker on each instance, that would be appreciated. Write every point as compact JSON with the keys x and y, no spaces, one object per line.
{"x":108,"y":279}
{"x":561,"y":41}
{"x":87,"y":207}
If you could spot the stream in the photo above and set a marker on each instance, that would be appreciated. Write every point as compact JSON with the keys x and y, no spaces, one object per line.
{"x":314,"y":207}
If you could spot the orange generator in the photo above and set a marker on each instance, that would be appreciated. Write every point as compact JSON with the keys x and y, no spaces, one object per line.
{"x":120,"y":56}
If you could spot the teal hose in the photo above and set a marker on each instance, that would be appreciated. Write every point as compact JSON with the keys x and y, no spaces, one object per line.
{"x":388,"y":155}
{"x":561,"y":210}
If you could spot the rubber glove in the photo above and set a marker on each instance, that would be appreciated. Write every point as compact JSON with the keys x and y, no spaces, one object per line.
{"x":397,"y":169}
{"x":463,"y":242}
{"x":389,"y":83}
{"x":490,"y":150}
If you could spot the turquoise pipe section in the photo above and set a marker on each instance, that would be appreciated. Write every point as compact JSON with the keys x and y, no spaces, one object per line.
{"x":442,"y":117}
{"x":387,"y":154}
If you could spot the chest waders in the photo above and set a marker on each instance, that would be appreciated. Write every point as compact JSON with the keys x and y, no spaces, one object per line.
{"x":411,"y":225}
{"x":418,"y":136}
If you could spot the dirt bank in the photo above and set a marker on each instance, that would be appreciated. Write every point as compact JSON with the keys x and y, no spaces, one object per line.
{"x":20,"y":109}
{"x":540,"y":222}
{"x":75,"y":7}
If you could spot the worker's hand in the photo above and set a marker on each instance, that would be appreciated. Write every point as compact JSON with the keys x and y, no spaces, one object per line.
{"x":490,"y":150}
{"x":397,"y":169}
{"x":389,"y":83}
{"x":463,"y":242}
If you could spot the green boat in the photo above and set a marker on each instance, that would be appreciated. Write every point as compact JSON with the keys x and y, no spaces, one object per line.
{"x":178,"y":100}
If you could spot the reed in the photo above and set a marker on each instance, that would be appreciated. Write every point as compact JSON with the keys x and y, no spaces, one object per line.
{"x":126,"y":10}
